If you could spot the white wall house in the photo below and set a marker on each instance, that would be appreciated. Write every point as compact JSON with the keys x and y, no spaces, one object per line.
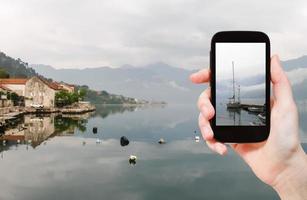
{"x":15,"y":85}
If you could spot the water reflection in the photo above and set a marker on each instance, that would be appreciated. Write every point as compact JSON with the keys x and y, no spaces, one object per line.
{"x":65,"y":169}
{"x":179,"y":170}
{"x":106,"y":110}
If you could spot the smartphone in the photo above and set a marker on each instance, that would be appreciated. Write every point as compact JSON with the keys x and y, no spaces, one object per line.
{"x":240,"y":86}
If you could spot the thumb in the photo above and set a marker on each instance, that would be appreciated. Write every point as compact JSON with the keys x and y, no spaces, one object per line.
{"x":281,"y":85}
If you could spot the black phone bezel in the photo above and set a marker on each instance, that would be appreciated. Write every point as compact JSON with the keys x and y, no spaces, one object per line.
{"x":240,"y":134}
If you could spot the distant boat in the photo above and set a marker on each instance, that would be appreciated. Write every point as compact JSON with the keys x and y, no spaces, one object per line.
{"x":233,"y":104}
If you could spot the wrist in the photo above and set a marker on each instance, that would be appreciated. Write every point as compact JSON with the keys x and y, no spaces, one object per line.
{"x":292,"y":182}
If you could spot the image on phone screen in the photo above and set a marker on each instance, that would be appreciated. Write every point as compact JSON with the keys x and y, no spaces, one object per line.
{"x":240,"y":84}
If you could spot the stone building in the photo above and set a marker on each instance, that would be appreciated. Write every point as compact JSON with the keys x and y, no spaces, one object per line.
{"x":39,"y":92}
{"x":67,"y":87}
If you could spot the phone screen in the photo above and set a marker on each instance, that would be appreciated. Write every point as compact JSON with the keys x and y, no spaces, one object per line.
{"x":240,"y":84}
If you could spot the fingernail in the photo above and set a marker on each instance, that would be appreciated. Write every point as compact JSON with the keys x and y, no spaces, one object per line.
{"x":192,"y":75}
{"x":220,"y":149}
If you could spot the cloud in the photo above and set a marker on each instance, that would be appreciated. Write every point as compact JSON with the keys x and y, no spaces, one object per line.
{"x":176,"y":86}
{"x":76,"y":33}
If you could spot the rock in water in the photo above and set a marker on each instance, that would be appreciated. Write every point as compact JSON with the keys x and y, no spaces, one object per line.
{"x":95,"y":130}
{"x":161,"y":141}
{"x":124,"y":141}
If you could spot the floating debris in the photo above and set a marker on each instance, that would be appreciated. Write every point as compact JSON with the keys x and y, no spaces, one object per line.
{"x":195,"y":131}
{"x":124,"y":141}
{"x":161,"y":141}
{"x":98,"y":141}
{"x":132,"y":159}
{"x":83,"y":143}
{"x":95,"y":129}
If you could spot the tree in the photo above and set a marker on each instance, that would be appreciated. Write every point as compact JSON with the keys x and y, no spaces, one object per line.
{"x":16,"y":99}
{"x":65,"y":98}
{"x":3,"y":73}
{"x":82,"y":93}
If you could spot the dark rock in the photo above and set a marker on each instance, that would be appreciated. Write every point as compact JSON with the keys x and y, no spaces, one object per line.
{"x":124,"y":141}
{"x":95,"y":129}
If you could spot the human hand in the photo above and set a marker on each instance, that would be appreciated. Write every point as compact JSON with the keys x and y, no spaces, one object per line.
{"x":279,"y":161}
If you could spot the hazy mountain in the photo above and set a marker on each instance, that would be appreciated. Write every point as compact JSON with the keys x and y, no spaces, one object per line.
{"x":160,"y":81}
{"x":296,"y":63}
{"x":157,"y":81}
{"x":297,"y":73}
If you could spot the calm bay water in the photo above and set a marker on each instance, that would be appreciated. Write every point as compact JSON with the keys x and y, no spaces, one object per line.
{"x":64,"y":161}
{"x":239,"y":117}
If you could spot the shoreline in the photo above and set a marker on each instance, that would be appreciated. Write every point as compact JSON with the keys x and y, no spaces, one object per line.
{"x":7,"y":118}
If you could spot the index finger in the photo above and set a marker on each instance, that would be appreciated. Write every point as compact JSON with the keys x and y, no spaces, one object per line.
{"x":202,"y":76}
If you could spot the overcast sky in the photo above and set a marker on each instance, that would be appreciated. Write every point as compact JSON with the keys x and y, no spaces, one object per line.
{"x":248,"y":60}
{"x":79,"y":33}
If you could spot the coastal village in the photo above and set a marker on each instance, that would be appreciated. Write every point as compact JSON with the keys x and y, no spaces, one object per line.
{"x":35,"y":94}
{"x":28,"y":97}
{"x":34,"y":108}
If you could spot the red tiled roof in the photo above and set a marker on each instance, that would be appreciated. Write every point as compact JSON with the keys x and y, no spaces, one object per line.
{"x":15,"y":81}
{"x":4,"y":88}
{"x":52,"y":85}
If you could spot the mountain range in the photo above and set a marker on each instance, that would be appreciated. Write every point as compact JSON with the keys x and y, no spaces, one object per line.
{"x":159,"y":81}
{"x":156,"y":82}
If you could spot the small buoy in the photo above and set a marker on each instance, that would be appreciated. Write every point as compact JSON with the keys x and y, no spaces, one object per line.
{"x":124,"y":141}
{"x":18,"y":141}
{"x":95,"y":130}
{"x":132,"y":159}
{"x":98,"y":141}
{"x":161,"y":141}
{"x":197,"y":138}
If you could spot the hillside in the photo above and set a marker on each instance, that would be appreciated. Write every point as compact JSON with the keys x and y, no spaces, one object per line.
{"x":16,"y":68}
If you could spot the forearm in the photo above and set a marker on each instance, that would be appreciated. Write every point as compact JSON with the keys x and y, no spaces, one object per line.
{"x":292,"y":183}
